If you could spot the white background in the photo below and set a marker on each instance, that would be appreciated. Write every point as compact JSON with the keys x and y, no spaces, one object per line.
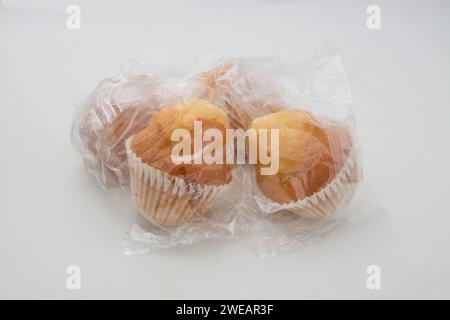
{"x":52,"y":214}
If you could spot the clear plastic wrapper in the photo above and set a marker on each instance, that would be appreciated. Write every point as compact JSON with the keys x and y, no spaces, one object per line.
{"x":119,"y":107}
{"x":224,"y":148}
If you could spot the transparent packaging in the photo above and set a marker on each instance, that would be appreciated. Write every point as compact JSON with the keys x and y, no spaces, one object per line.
{"x":119,"y":107}
{"x":258,"y":148}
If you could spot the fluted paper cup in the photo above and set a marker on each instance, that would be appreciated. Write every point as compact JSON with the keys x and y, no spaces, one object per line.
{"x":165,"y":199}
{"x":325,"y":202}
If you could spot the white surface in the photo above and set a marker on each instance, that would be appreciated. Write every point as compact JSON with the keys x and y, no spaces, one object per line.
{"x":52,"y":215}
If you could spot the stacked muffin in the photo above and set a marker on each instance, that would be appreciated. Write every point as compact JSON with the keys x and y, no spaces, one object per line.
{"x":234,"y":86}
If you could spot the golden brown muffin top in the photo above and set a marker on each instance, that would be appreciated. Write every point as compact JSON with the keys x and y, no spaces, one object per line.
{"x":231,"y":88}
{"x":154,"y":145}
{"x":311,"y":153}
{"x":215,"y":80}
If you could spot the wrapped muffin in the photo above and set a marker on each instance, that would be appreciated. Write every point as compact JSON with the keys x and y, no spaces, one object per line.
{"x":317,"y":166}
{"x":278,"y":189}
{"x":240,"y":87}
{"x":118,"y":108}
{"x":168,"y":191}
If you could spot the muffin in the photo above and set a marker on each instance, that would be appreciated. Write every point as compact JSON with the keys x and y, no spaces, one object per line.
{"x":166,"y":191}
{"x":118,"y":108}
{"x":238,"y":89}
{"x":317,"y":166}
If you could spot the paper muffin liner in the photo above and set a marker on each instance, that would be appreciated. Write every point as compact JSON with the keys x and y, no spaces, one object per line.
{"x":165,"y":199}
{"x":325,"y":202}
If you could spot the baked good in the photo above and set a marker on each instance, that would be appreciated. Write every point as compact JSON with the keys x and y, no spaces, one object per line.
{"x":118,"y":108}
{"x":317,"y":169}
{"x":236,"y":88}
{"x":166,"y":192}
